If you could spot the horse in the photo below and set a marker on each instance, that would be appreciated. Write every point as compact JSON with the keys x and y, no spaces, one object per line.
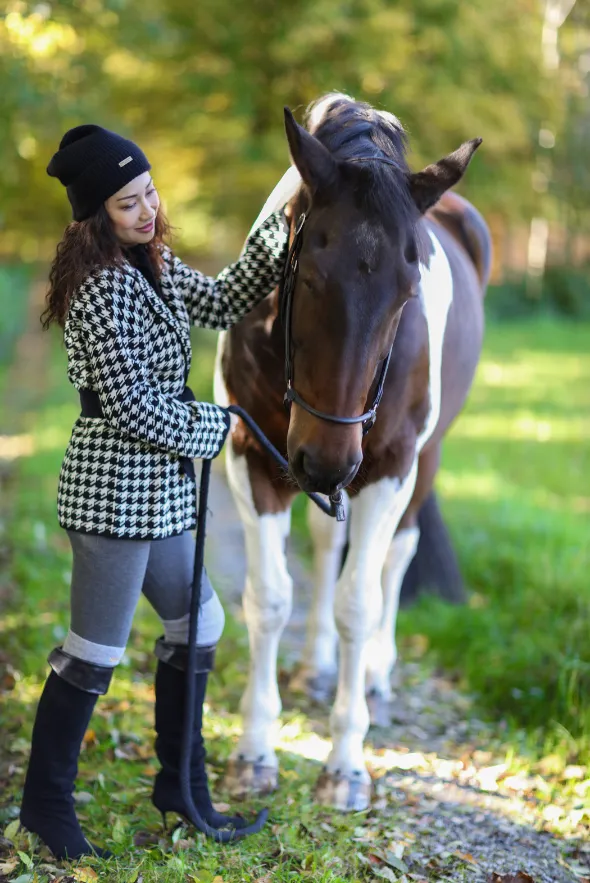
{"x":379,"y":324}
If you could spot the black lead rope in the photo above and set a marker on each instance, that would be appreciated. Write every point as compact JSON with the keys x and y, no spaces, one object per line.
{"x":192,"y":812}
{"x":335,"y":506}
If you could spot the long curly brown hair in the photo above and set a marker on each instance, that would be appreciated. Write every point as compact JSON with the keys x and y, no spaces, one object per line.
{"x":88,"y":246}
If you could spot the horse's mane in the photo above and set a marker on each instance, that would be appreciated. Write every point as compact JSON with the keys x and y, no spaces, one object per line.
{"x":350,"y":128}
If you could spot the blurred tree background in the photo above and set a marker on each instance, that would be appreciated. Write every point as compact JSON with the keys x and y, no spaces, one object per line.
{"x":202,"y":86}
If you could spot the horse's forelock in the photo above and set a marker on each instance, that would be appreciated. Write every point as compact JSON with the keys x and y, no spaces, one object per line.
{"x":352,"y":129}
{"x":337,"y":111}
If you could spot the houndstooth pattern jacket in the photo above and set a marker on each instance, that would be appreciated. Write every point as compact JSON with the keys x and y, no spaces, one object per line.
{"x":122,"y":475}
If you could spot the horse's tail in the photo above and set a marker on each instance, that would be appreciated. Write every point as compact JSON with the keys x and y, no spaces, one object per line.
{"x":435,"y":568}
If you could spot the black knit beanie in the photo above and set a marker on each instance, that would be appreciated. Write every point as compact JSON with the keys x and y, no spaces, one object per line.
{"x":92,"y":164}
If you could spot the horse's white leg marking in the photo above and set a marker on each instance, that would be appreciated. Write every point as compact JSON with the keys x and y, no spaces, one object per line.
{"x":329,"y":538}
{"x":436,"y":294}
{"x":375,"y":514}
{"x":267,"y":607}
{"x":382,"y":650}
{"x":267,"y":602}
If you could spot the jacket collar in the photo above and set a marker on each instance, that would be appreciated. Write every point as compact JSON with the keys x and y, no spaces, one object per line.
{"x":166,"y":307}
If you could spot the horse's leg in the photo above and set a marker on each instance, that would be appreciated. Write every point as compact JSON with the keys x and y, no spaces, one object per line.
{"x":316,"y":675}
{"x":382,"y":652}
{"x":253,"y":766}
{"x":375,"y":515}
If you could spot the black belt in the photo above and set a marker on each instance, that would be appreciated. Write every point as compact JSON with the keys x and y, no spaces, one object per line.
{"x":92,"y":407}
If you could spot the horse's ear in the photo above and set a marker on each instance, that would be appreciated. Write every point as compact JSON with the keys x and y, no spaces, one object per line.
{"x":428,"y":186}
{"x":315,"y":163}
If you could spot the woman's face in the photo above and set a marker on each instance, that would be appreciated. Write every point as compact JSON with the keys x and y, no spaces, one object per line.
{"x":133,"y":210}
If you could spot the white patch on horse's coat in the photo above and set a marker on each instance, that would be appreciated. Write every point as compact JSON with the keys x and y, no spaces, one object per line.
{"x":436,"y":296}
{"x":220,"y":396}
{"x":267,"y":607}
{"x":328,"y":537}
{"x":375,"y":515}
{"x":283,"y":192}
{"x":382,"y":650}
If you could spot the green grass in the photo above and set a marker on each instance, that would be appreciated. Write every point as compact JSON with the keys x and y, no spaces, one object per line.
{"x":515,"y":484}
{"x":515,"y":481}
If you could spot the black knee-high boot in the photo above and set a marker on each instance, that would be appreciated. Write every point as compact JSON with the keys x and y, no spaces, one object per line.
{"x":63,"y":713}
{"x":170,"y":704}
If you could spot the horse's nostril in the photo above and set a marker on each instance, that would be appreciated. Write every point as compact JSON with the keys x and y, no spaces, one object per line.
{"x":314,"y":474}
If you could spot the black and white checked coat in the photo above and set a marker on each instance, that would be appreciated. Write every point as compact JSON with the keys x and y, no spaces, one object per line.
{"x":121,"y":475}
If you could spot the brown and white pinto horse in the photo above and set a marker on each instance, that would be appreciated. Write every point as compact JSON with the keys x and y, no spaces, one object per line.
{"x":375,"y":273}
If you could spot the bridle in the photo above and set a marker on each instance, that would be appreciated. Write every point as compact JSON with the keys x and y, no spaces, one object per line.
{"x":287,"y":289}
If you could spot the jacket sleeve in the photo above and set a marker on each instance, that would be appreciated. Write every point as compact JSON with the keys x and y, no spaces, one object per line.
{"x":220,"y":302}
{"x":129,"y":400}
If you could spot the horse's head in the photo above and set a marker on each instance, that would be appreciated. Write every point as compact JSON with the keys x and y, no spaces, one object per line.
{"x":359,"y":262}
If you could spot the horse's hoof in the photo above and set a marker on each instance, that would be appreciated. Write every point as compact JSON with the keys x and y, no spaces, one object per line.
{"x":379,"y":709}
{"x":246,"y":777}
{"x":318,"y":687}
{"x":346,"y":793}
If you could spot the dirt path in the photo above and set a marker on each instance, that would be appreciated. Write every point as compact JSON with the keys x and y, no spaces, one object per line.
{"x":455,"y":806}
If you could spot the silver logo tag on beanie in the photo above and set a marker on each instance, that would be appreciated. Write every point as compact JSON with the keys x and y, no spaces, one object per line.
{"x":125,"y":161}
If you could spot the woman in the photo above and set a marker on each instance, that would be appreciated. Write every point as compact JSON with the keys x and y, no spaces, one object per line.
{"x":127,"y":485}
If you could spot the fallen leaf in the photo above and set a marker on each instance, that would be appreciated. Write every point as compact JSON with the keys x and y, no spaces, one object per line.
{"x":119,"y":830}
{"x":221,"y":807}
{"x":466,"y":857}
{"x":90,"y":738}
{"x":24,"y":878}
{"x":83,"y":797}
{"x":519,"y":877}
{"x":25,"y":859}
{"x":8,"y":866}
{"x":85,"y":875}
{"x":145,"y":838}
{"x":11,"y":830}
{"x":386,"y":873}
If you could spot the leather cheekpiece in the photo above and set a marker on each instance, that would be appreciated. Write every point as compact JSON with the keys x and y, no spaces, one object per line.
{"x":78,"y":673}
{"x":176,"y":655}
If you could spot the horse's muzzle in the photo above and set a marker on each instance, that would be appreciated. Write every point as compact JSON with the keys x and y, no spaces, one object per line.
{"x":314,"y":474}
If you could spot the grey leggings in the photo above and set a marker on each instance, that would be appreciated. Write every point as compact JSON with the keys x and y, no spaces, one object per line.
{"x":108,"y":576}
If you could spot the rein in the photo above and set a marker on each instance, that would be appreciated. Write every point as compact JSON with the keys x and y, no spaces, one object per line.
{"x":287,"y":290}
